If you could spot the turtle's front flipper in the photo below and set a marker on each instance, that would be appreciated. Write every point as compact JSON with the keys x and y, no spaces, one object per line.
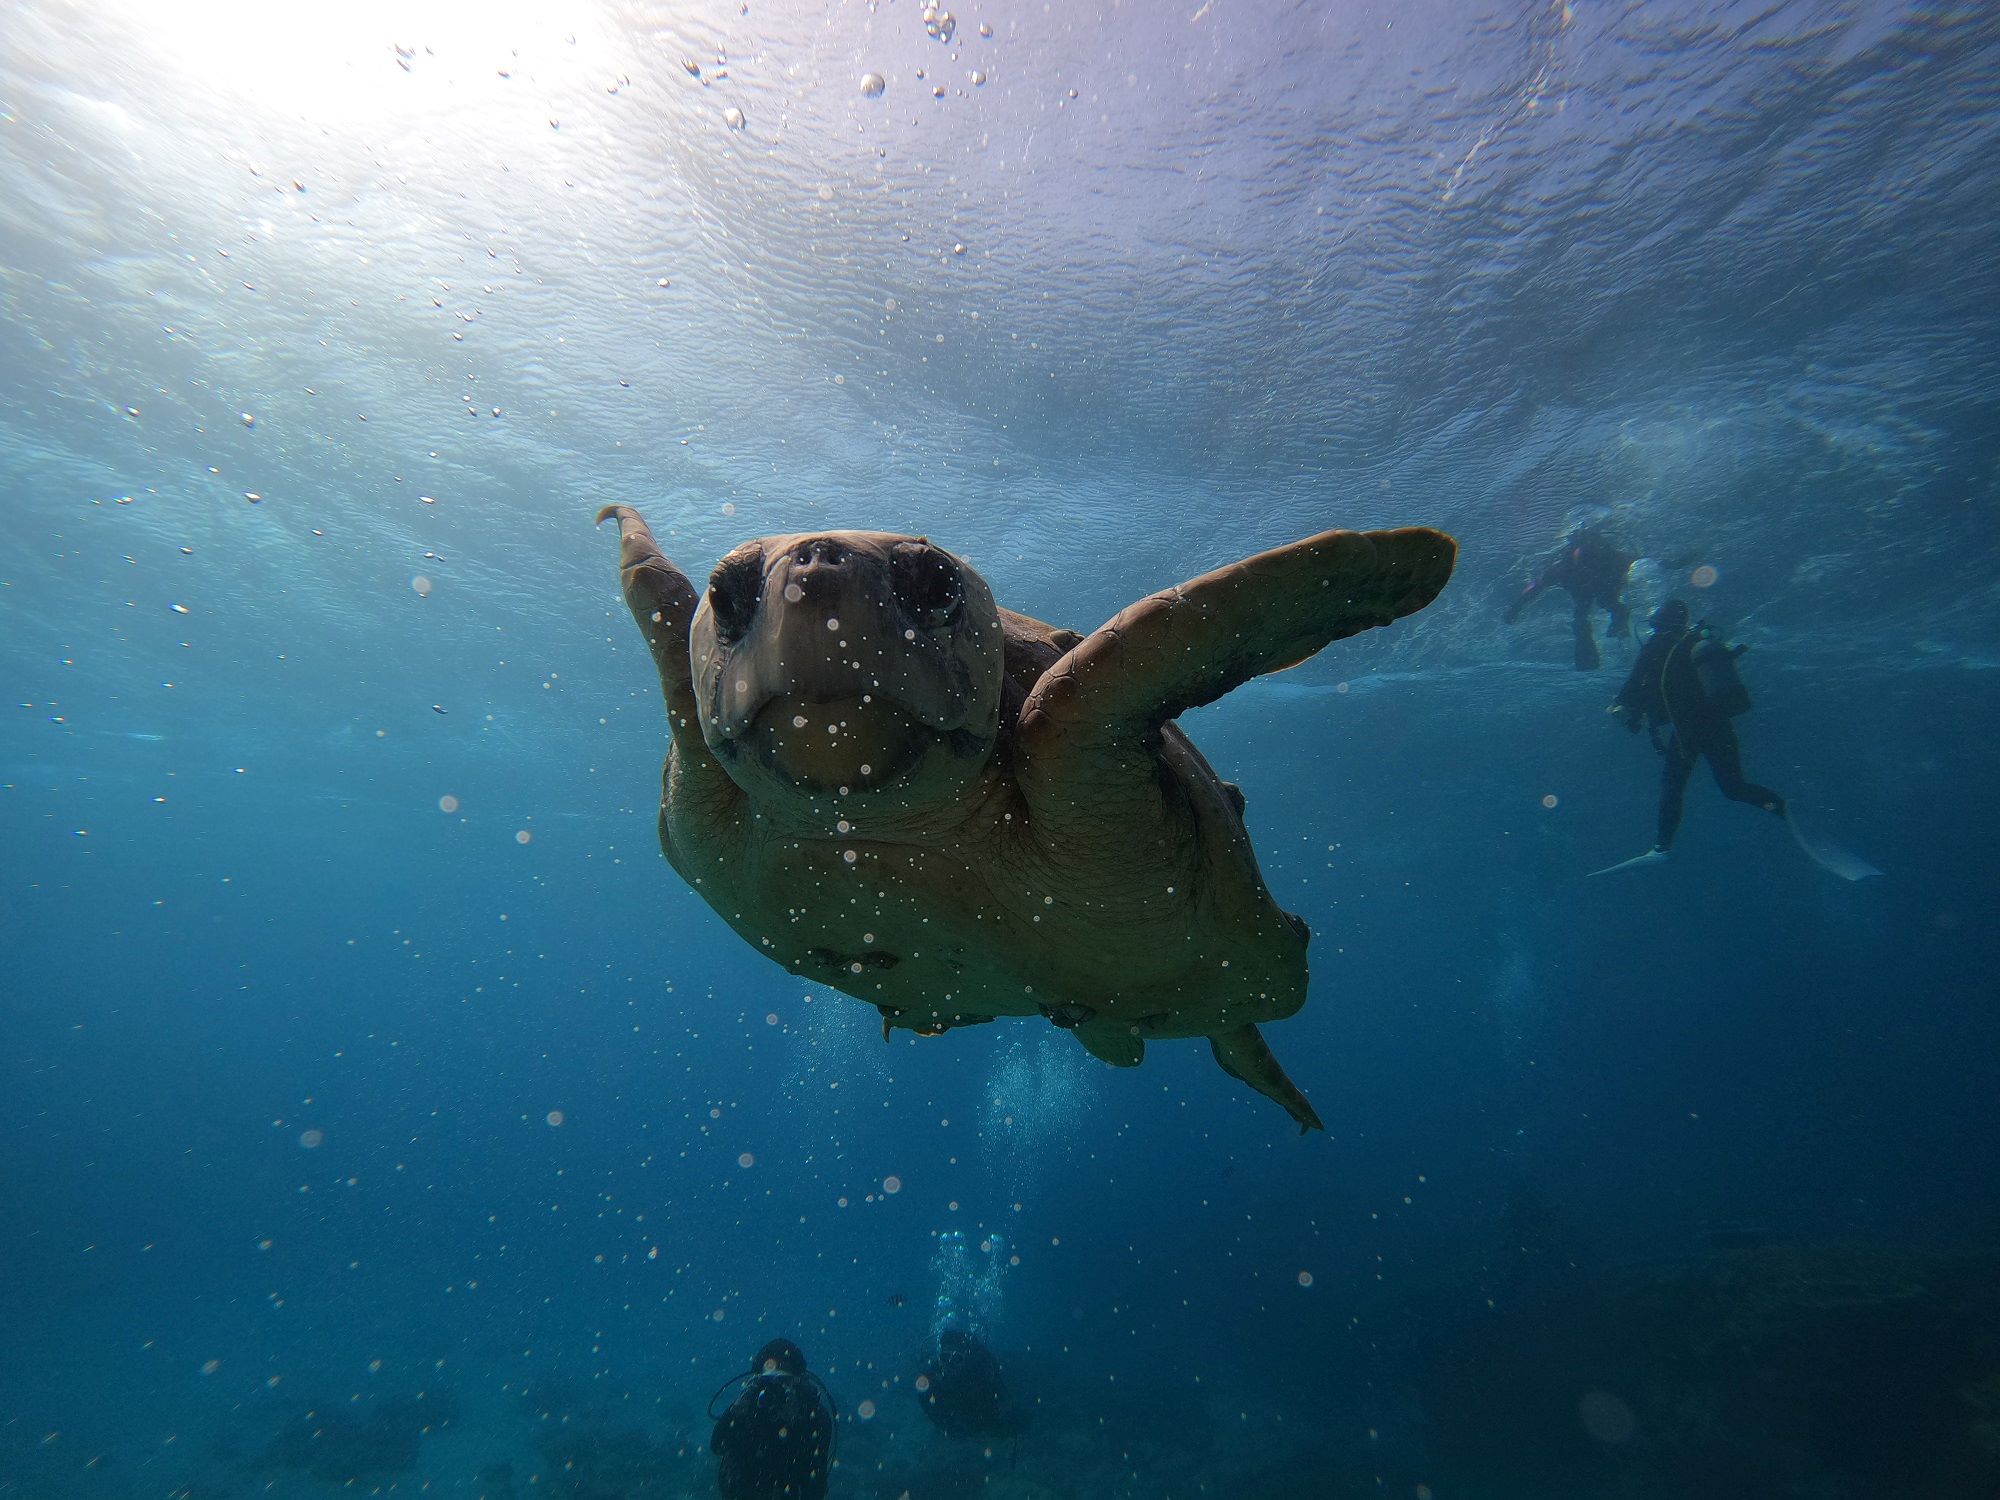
{"x":1189,"y":645}
{"x":1244,"y":1056}
{"x":663,"y":603}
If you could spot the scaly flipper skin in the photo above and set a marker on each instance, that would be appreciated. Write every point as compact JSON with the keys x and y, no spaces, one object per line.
{"x":1187,"y":646}
{"x":1244,"y":1056}
{"x":663,"y":602}
{"x":1092,"y":730}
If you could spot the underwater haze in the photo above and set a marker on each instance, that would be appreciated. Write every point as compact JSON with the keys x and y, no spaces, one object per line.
{"x":380,"y":1113}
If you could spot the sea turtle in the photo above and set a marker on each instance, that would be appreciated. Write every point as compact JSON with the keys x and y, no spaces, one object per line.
{"x":898,"y":789}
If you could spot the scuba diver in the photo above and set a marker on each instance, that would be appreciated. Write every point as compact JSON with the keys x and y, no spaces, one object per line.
{"x":1685,"y":682}
{"x":962,"y":1392}
{"x":1591,"y":567}
{"x":776,"y":1440}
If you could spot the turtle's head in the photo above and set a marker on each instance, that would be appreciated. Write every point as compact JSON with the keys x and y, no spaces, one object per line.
{"x":853,"y":661}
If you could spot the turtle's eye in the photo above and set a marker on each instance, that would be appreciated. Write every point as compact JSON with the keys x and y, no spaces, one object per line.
{"x":927,"y":583}
{"x":733,"y":594}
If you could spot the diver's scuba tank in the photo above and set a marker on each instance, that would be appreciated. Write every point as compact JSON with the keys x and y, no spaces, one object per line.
{"x":1714,"y":663}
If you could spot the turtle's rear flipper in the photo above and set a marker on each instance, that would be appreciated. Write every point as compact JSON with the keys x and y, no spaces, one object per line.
{"x":1244,"y":1056}
{"x":1113,"y":1042}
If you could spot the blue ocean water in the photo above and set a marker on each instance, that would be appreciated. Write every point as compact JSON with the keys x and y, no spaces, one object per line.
{"x":380,"y":1114}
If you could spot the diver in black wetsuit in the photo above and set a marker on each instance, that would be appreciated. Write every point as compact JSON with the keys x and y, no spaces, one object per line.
{"x":1685,"y":683}
{"x":776,"y":1440}
{"x":1591,"y":568}
{"x":962,"y":1392}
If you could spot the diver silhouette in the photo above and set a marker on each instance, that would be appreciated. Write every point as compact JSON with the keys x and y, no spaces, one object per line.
{"x":776,"y":1440}
{"x":1685,"y":683}
{"x":962,"y":1392}
{"x":1590,"y":567}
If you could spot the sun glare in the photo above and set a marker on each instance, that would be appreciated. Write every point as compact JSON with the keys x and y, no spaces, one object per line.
{"x":360,"y":61}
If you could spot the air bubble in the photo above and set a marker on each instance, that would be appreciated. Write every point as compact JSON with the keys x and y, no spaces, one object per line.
{"x":1606,"y":1418}
{"x":872,"y":85}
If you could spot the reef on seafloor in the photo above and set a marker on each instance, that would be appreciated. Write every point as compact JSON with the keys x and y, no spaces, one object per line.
{"x":1831,"y":1370}
{"x":348,"y":1443}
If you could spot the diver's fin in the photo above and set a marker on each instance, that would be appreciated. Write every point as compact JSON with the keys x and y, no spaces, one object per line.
{"x":1829,"y":857}
{"x":1588,"y":658}
{"x":1113,"y":1042}
{"x":1244,"y":1056}
{"x":1653,"y":856}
